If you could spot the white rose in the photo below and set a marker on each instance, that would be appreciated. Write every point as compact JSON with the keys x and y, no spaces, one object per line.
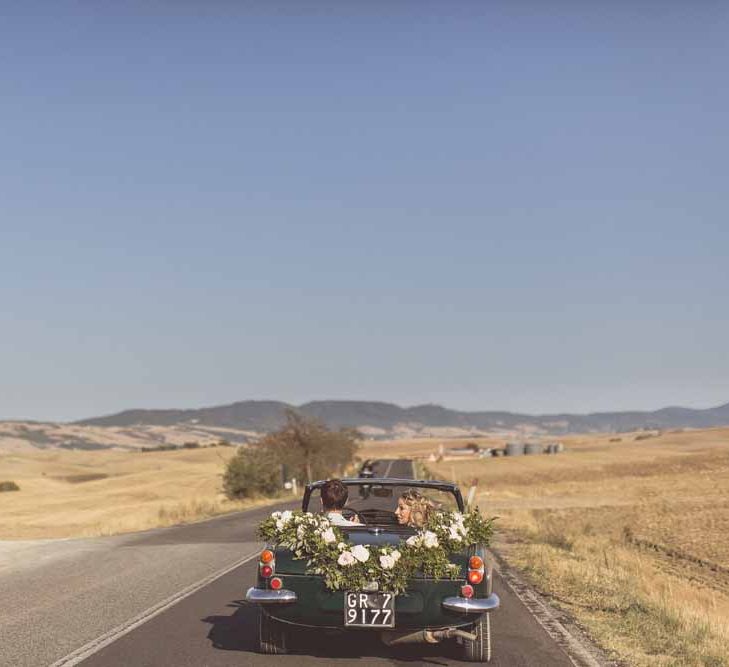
{"x":413,"y":541}
{"x":328,"y":536}
{"x":454,"y":534}
{"x":280,"y":524}
{"x":430,"y":539}
{"x":286,"y":516}
{"x":387,"y":562}
{"x":396,"y":555}
{"x":346,"y":558}
{"x":361,"y":553}
{"x":276,"y":515}
{"x":342,"y":546}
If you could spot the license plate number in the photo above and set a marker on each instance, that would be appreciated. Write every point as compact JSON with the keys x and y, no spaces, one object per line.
{"x":369,"y":610}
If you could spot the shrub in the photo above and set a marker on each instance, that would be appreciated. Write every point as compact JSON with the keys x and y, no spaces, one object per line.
{"x":166,"y":448}
{"x":84,"y":477}
{"x":9,"y":486}
{"x":251,"y":472}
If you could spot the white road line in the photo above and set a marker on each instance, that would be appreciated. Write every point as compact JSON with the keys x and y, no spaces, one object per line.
{"x":107,"y":638}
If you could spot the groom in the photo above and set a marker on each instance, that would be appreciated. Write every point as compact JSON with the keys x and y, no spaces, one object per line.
{"x":333,"y":498}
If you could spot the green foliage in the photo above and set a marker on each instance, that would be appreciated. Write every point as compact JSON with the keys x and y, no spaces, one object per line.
{"x":9,"y":486}
{"x":304,"y":447}
{"x":160,"y":448}
{"x":252,"y":472}
{"x":343,"y":565}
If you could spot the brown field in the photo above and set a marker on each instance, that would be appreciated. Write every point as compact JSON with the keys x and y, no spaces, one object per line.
{"x":72,"y":493}
{"x":631,"y":537}
{"x":29,"y":437}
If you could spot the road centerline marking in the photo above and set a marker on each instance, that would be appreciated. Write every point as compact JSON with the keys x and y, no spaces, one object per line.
{"x":102,"y":641}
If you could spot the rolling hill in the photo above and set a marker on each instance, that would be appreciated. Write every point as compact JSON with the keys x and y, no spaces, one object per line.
{"x":389,"y":418}
{"x":240,"y":422}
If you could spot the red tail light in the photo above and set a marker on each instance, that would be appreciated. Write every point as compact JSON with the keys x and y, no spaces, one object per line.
{"x":475,"y":563}
{"x":276,"y":583}
{"x":267,"y":565}
{"x":475,"y":576}
{"x":467,"y":591}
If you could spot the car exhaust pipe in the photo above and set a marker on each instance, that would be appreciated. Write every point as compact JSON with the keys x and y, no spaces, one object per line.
{"x":425,"y":636}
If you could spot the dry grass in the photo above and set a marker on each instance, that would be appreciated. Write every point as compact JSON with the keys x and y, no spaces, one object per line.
{"x":629,"y":536}
{"x":73,"y":493}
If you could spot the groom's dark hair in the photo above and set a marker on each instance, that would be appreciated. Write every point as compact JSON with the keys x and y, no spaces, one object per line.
{"x":334,"y":494}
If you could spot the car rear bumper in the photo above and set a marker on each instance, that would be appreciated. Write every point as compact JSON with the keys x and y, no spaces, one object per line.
{"x":472,"y":605}
{"x":262,"y":596}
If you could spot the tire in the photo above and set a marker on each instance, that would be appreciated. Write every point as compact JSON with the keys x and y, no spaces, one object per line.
{"x":479,"y":650}
{"x":272,"y":639}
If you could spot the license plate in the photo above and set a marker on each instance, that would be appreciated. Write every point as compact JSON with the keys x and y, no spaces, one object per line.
{"x":369,"y":610}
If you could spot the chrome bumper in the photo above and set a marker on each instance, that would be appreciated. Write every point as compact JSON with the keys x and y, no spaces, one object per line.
{"x":262,"y":596}
{"x":472,"y":606}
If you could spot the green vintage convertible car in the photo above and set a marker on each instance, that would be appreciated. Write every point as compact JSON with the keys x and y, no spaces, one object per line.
{"x":431,"y":610}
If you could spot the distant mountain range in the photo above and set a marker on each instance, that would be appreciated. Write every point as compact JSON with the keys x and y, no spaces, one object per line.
{"x":387,"y":420}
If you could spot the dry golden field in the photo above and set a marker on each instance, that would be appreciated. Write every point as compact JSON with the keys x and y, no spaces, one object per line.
{"x":630,"y":536}
{"x":73,"y":493}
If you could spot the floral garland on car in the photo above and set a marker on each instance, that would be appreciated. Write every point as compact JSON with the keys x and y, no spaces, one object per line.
{"x":344,"y":565}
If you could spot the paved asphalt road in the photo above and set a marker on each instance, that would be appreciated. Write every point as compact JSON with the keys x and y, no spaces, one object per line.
{"x":57,"y":597}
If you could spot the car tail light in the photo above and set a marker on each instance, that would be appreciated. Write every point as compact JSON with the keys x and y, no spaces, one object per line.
{"x":475,"y":576}
{"x":276,"y":583}
{"x":475,"y":570}
{"x":267,"y":566}
{"x":467,"y":591}
{"x":475,"y":563}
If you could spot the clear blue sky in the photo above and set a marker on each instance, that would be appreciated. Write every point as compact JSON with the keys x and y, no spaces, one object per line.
{"x":485,"y":205}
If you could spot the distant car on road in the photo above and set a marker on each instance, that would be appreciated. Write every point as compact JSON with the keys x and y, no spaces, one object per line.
{"x":430,"y":610}
{"x":367,"y":470}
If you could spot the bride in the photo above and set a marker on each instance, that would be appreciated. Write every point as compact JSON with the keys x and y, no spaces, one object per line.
{"x":413,"y":509}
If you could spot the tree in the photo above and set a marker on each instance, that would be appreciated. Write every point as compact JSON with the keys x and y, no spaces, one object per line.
{"x":306,"y":447}
{"x":309,"y":449}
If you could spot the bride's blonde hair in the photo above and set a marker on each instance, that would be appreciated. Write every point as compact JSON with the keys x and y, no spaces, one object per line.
{"x":420,"y":507}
